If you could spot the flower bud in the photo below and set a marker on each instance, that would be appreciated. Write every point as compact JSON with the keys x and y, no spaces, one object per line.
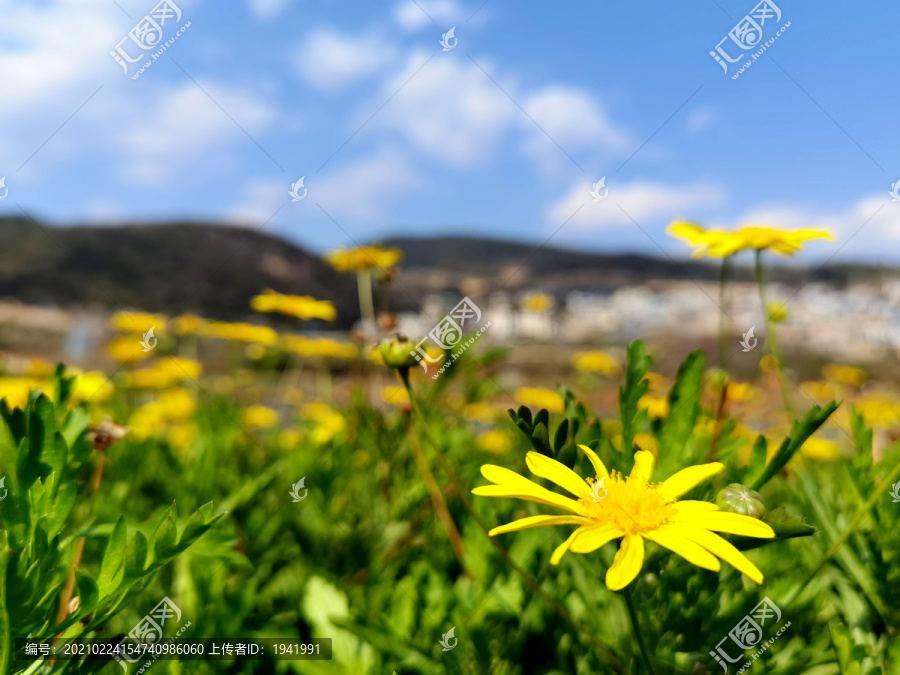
{"x":398,"y":352}
{"x":738,"y":498}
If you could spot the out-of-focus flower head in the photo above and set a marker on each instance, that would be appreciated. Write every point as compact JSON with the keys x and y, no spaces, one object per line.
{"x":656,"y":406}
{"x":303,"y":307}
{"x":95,"y":386}
{"x":178,"y":403}
{"x":188,"y":324}
{"x":363,"y":258}
{"x":398,"y":352}
{"x":242,"y":332}
{"x":538,"y":397}
{"x":137,"y":323}
{"x":16,"y":389}
{"x":327,"y":422}
{"x":777,"y":311}
{"x":126,"y":348}
{"x":721,"y":243}
{"x":536,"y":303}
{"x":496,"y":441}
{"x":259,"y":417}
{"x":597,"y":361}
{"x":879,"y":409}
{"x":319,"y":347}
{"x":846,"y":375}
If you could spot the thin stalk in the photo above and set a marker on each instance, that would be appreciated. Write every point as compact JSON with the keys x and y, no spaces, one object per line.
{"x":434,"y":490}
{"x":366,"y":302}
{"x":632,"y":614}
{"x":772,"y":338}
{"x":724,"y":333}
{"x":529,"y":580}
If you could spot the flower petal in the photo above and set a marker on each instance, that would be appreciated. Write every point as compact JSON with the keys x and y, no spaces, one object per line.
{"x":556,"y":472}
{"x":627,"y":564}
{"x":531,"y":493}
{"x":718,"y":546}
{"x":537,"y":521}
{"x":686,"y":479}
{"x":731,"y":523}
{"x":692,"y":506}
{"x":672,"y":539}
{"x":643,"y":466}
{"x":592,"y":538}
{"x":560,"y":550}
{"x":596,"y":462}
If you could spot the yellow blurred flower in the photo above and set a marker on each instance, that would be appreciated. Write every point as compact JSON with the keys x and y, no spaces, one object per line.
{"x":39,"y":368}
{"x":879,"y":409}
{"x":479,"y":412}
{"x":188,"y":324}
{"x":536,"y":303}
{"x":777,"y":311}
{"x":656,"y":406}
{"x":496,"y":441}
{"x":259,"y":417}
{"x":241,"y":332}
{"x":740,"y":392}
{"x":647,"y":442}
{"x":16,"y":389}
{"x":537,"y":397}
{"x":94,"y":386}
{"x":288,"y":439}
{"x":138,"y":322}
{"x":181,"y":434}
{"x":328,"y":422}
{"x":658,"y":384}
{"x":819,"y":390}
{"x":319,"y":347}
{"x":820,"y":448}
{"x":363,"y":258}
{"x":178,"y":404}
{"x":597,"y":361}
{"x":147,"y":421}
{"x":164,"y":373}
{"x":302,"y":307}
{"x":395,"y":396}
{"x":126,"y":348}
{"x":846,"y":375}
{"x":254,"y":351}
{"x":721,"y":243}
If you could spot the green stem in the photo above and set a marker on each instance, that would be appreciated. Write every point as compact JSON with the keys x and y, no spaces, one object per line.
{"x":366,"y":303}
{"x":632,"y":614}
{"x":772,"y":338}
{"x":724,"y":333}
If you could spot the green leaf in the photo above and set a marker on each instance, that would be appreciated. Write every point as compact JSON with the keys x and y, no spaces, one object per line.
{"x":801,"y":430}
{"x":135,"y":557}
{"x":542,"y":417}
{"x":540,"y":439}
{"x":757,"y":459}
{"x":88,"y":592}
{"x":5,"y":634}
{"x":784,"y":525}
{"x":684,"y":407}
{"x":561,"y":435}
{"x":113,"y":558}
{"x":525,"y":414}
{"x":568,"y":455}
{"x":637,"y":365}
{"x":164,"y":540}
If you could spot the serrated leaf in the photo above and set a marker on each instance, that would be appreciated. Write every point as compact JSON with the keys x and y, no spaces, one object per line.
{"x":164,"y":540}
{"x":684,"y":407}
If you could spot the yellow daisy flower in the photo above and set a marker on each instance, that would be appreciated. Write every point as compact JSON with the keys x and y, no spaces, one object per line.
{"x":721,"y":244}
{"x":363,"y":258}
{"x":597,"y":361}
{"x":632,"y":509}
{"x":538,"y":397}
{"x":847,"y":375}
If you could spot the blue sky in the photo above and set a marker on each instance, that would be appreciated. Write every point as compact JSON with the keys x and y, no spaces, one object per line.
{"x":501,"y":136}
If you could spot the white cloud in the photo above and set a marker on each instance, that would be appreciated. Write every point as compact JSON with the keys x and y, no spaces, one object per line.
{"x":183,"y":124}
{"x":648,"y":203}
{"x":331,"y":60}
{"x":449,"y":110}
{"x":266,"y":9}
{"x":572,"y":118}
{"x":365,"y":189}
{"x":700,"y":119}
{"x":415,"y":15}
{"x":46,"y":46}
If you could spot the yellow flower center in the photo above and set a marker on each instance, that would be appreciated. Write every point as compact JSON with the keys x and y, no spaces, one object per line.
{"x":630,"y":504}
